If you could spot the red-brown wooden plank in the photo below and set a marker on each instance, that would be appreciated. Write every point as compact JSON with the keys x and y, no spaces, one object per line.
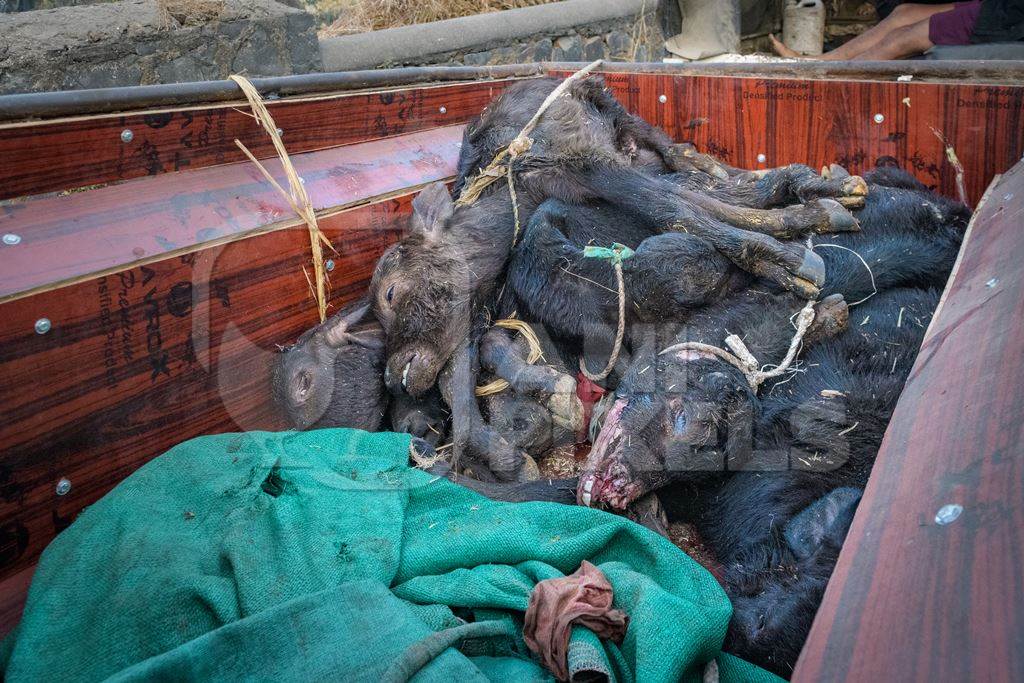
{"x":70,"y":153}
{"x":13,"y":593}
{"x":71,"y":236}
{"x":910,"y":599}
{"x":139,"y":361}
{"x":821,"y":122}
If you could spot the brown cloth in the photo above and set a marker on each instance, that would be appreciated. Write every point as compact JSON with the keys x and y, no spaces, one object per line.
{"x":556,"y":605}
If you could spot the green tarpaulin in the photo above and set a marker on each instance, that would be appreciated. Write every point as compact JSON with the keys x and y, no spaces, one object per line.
{"x":322,"y":555}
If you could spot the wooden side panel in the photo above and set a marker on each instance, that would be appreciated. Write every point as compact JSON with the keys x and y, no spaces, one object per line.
{"x":913,"y":600}
{"x":822,"y":122}
{"x":76,"y":235}
{"x":54,"y":156}
{"x":141,"y":360}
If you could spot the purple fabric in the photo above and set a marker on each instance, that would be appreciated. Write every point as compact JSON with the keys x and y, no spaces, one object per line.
{"x":955,"y":26}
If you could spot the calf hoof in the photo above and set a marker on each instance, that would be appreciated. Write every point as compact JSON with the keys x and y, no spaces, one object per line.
{"x":812,"y":269}
{"x":565,"y":406}
{"x":799,"y":270}
{"x":530,"y":471}
{"x":835,"y":183}
{"x":831,"y":316}
{"x":854,"y":192}
{"x":835,"y":172}
{"x":855,"y":186}
{"x":649,"y":512}
{"x":839,"y":219}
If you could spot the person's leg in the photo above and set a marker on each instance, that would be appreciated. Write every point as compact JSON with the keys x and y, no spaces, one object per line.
{"x":905,"y":41}
{"x":952,"y":27}
{"x":903,"y":15}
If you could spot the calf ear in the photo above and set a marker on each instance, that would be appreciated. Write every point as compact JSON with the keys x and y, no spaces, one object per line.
{"x":431,"y":209}
{"x":369,"y":339}
{"x":335,"y":328}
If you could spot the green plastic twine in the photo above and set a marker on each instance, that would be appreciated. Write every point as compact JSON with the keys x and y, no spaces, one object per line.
{"x":616,"y":254}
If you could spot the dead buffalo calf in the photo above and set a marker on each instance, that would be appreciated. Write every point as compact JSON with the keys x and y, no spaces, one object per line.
{"x":575,"y":298}
{"x":770,"y":478}
{"x":540,"y":409}
{"x":332,"y":376}
{"x":777,"y":531}
{"x":433,"y":290}
{"x":671,"y":403}
{"x":429,"y":290}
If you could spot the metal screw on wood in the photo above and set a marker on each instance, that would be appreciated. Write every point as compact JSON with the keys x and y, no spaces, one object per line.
{"x":443,"y":110}
{"x":43,"y":326}
{"x":10,"y":239}
{"x":63,"y":486}
{"x":127,"y":135}
{"x":280,"y":133}
{"x":329,"y":264}
{"x":662,"y":98}
{"x":879,"y":118}
{"x":761,"y":158}
{"x":948,"y":514}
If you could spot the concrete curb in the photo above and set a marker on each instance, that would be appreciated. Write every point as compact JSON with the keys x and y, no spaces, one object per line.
{"x":410,"y":43}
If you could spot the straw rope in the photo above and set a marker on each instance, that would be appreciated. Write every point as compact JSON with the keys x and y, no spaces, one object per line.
{"x":620,"y":331}
{"x":520,"y":145}
{"x":296,"y":194}
{"x":536,"y":353}
{"x":616,"y":254}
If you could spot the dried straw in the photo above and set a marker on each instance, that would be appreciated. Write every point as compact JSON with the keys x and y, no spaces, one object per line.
{"x":356,"y":16}
{"x":176,"y":13}
{"x":296,"y":195}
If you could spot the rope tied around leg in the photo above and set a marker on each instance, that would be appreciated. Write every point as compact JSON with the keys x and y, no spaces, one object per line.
{"x":617,"y":254}
{"x":741,"y":357}
{"x":535,"y":353}
{"x":520,"y":145}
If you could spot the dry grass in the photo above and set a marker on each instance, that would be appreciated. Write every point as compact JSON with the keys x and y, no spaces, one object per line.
{"x":357,"y":16}
{"x":189,"y":12}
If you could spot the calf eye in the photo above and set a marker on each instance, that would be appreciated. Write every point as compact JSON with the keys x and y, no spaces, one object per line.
{"x":390,"y":293}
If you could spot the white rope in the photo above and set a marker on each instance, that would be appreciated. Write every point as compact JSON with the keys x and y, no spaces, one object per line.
{"x":874,"y":288}
{"x":741,"y":357}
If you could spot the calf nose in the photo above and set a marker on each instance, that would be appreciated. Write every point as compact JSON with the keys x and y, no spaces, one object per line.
{"x":396,"y":373}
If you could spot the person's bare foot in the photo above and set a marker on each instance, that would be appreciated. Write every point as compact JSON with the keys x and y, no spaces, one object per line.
{"x":781,"y":49}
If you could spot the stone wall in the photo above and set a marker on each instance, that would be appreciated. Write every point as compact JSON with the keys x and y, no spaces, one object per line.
{"x":616,"y":40}
{"x":571,"y":31}
{"x":140,"y":42}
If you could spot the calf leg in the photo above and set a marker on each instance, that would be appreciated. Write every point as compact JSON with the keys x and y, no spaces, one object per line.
{"x":787,"y":185}
{"x":656,"y":200}
{"x":470,"y":434}
{"x":791,"y":265}
{"x":818,"y":215}
{"x":501,"y":356}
